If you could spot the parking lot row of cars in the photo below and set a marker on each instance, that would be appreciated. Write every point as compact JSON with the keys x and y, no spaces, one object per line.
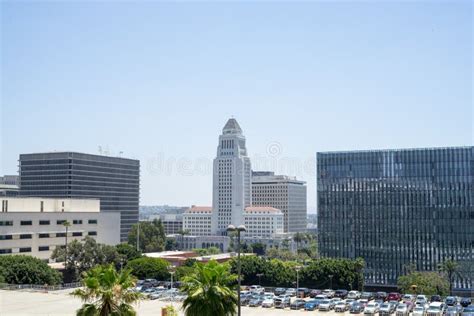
{"x":355,"y":302}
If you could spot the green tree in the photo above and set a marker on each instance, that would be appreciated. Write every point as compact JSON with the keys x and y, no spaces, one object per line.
{"x":19,"y":269}
{"x":298,"y":238}
{"x":428,"y":283}
{"x":128,"y":252}
{"x":171,"y":244}
{"x":210,"y":290}
{"x":258,"y":248}
{"x":450,"y":269}
{"x":207,"y":251}
{"x":86,"y":254}
{"x":107,"y":292}
{"x":152,"y":236}
{"x":149,"y":268}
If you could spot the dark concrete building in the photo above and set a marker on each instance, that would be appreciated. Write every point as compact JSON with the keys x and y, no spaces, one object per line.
{"x":398,"y":207}
{"x":113,"y":180}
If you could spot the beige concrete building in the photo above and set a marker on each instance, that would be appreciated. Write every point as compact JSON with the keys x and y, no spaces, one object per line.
{"x":34,"y":226}
{"x":197,"y":220}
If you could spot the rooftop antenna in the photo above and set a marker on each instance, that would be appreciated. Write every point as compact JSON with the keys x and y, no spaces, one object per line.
{"x":100,"y":150}
{"x":120,"y":153}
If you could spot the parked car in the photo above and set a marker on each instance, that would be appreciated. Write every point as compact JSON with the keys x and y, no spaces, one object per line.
{"x":453,"y":310}
{"x":385,"y":309}
{"x":267,"y":302}
{"x":257,"y":289}
{"x":356,"y":308}
{"x":435,"y":309}
{"x":341,"y":293}
{"x":311,"y":305}
{"x":465,"y":301}
{"x":435,"y":298}
{"x":468,"y":311}
{"x":326,"y":305}
{"x":290,"y":292}
{"x":245,"y":298}
{"x":394,"y":296}
{"x":450,"y":301}
{"x":282,"y":301}
{"x":381,"y":296}
{"x":303,"y":292}
{"x":372,"y":308}
{"x":298,"y":304}
{"x":364,"y":302}
{"x":329,"y":293}
{"x":256,"y":301}
{"x":341,"y":307}
{"x":354,"y":295}
{"x":314,"y":292}
{"x":408,"y":298}
{"x":367,"y":295}
{"x":279,"y":291}
{"x":402,"y":310}
{"x":419,"y":310}
{"x":421,"y":300}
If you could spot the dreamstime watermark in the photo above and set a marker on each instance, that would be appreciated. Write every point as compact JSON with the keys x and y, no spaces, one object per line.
{"x":272,"y":160}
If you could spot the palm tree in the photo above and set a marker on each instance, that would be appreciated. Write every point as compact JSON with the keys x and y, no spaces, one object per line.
{"x":107,"y":292}
{"x":451,"y":269}
{"x":210,"y":290}
{"x":298,"y":237}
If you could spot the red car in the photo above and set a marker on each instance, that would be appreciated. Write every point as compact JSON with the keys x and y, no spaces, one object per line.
{"x":394,"y":296}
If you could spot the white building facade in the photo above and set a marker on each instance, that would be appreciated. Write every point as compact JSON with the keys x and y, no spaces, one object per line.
{"x":284,"y":193}
{"x":232,"y":185}
{"x":34,"y":226}
{"x":263,"y":222}
{"x":197,"y":221}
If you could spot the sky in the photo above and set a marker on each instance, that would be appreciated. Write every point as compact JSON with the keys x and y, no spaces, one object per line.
{"x":157,"y":81}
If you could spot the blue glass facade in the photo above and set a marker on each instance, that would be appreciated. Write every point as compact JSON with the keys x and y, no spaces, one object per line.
{"x":398,"y":207}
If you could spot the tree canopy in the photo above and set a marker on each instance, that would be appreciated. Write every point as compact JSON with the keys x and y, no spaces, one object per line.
{"x":152,"y":236}
{"x":428,"y":283}
{"x":19,"y":269}
{"x":149,"y":268}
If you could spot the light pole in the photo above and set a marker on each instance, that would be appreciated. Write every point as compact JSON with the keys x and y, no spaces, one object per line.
{"x":239,"y":229}
{"x":297,"y":268}
{"x":330,"y":277}
{"x":172,"y":271}
{"x":67,"y":225}
{"x":138,"y":236}
{"x":259,"y":275}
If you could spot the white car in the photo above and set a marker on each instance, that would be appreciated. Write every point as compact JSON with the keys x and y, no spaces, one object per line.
{"x":355,"y":295}
{"x":421,"y":300}
{"x":408,"y":298}
{"x":326,"y":305}
{"x":257,"y":289}
{"x":435,"y":309}
{"x":419,"y":310}
{"x":402,"y":310}
{"x":329,"y":293}
{"x":341,"y":307}
{"x":372,"y":308}
{"x":290,"y":292}
{"x":268,"y":302}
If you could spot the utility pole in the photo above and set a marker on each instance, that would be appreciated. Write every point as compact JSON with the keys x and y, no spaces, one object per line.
{"x":138,"y":236}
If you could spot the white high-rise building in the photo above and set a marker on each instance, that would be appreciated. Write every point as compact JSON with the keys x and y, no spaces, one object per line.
{"x":232,"y":181}
{"x":284,"y":193}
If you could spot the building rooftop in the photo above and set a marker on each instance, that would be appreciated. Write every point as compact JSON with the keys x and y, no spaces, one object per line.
{"x":199,"y":209}
{"x":232,"y":127}
{"x":266,"y":209}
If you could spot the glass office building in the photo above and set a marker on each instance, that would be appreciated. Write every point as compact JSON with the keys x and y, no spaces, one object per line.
{"x":398,"y":207}
{"x":114,"y":180}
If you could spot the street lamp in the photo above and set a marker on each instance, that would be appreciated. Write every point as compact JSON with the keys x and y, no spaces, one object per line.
{"x":259,"y":275}
{"x":330,"y":277}
{"x":172,"y":272}
{"x":297,"y":268}
{"x":239,"y":229}
{"x":67,"y":225}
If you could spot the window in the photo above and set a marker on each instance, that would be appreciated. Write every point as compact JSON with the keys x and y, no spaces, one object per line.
{"x":26,"y":223}
{"x":77,"y":234}
{"x":60,"y":221}
{"x":92,"y":221}
{"x":43,"y":235}
{"x":92,"y":234}
{"x":43,"y":248}
{"x":44,"y":222}
{"x":25,"y":236}
{"x":2,"y":251}
{"x":25,"y":249}
{"x":6,"y":223}
{"x":60,"y":234}
{"x":77,"y":221}
{"x":5,"y":237}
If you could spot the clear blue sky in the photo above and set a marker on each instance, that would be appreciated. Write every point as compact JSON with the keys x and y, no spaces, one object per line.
{"x":159,"y":80}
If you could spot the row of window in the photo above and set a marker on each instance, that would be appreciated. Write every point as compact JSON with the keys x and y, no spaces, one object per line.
{"x":46,"y":222}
